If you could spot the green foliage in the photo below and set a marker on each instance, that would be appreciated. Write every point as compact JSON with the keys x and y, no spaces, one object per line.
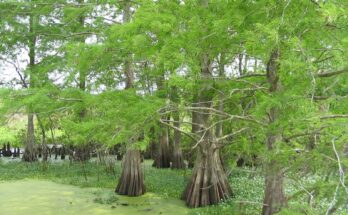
{"x":7,"y":136}
{"x":164,"y":44}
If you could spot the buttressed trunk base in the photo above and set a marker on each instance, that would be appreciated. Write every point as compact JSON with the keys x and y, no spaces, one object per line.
{"x":208,"y":184}
{"x":131,"y":182}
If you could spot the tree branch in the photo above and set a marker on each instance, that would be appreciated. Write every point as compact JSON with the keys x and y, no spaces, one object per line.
{"x":330,"y":74}
{"x":334,"y":116}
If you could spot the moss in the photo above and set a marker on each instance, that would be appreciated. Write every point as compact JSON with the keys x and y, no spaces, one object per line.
{"x":33,"y":196}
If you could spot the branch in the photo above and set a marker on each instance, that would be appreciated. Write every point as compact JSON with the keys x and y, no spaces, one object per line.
{"x":231,"y":135}
{"x":315,"y":2}
{"x":245,"y":118}
{"x":330,"y":74}
{"x":70,"y":99}
{"x":178,"y":129}
{"x":18,"y":71}
{"x":340,"y":168}
{"x":334,"y":116}
{"x":252,"y":75}
{"x":287,"y":139}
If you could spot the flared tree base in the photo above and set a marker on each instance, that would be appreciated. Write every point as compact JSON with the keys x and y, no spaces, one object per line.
{"x":209,"y":184}
{"x":131,"y":182}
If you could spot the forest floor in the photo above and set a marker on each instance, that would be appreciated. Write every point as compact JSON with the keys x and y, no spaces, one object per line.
{"x":247,"y":184}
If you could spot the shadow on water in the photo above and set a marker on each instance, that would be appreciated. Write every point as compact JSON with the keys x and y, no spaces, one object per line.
{"x":26,"y":197}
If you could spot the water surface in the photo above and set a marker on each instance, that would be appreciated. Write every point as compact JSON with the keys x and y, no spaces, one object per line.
{"x":31,"y":197}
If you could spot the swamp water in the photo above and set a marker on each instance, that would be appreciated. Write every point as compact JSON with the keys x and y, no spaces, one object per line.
{"x":32,"y":197}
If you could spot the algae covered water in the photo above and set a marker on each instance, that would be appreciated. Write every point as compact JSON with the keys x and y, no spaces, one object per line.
{"x":31,"y":197}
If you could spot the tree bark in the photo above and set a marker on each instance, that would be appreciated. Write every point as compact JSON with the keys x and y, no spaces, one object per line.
{"x":208,"y":184}
{"x":131,"y":182}
{"x":30,"y":154}
{"x":190,"y":155}
{"x":218,"y":129}
{"x":82,"y":153}
{"x":177,"y":160}
{"x":163,"y":156}
{"x":274,"y":198}
{"x":43,"y":140}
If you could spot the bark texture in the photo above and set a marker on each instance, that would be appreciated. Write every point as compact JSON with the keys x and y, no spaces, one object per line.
{"x":208,"y":184}
{"x":163,"y":155}
{"x":177,"y":159}
{"x":131,"y":182}
{"x":30,"y":153}
{"x":82,"y":153}
{"x":274,"y":198}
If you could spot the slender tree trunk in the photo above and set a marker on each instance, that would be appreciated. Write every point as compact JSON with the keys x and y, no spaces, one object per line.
{"x":163,"y":156}
{"x":245,"y":69}
{"x":177,"y":160}
{"x":208,"y":184}
{"x":30,"y":154}
{"x":190,"y":155}
{"x":220,"y":106}
{"x":218,"y":129}
{"x":274,"y":198}
{"x":240,"y":64}
{"x":82,"y":73}
{"x":43,"y":141}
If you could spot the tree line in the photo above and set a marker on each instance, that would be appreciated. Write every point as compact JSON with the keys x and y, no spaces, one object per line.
{"x":206,"y":81}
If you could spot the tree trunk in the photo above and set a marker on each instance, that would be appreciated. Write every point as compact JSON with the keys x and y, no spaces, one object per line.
{"x":163,"y":156}
{"x":29,"y":154}
{"x":190,"y":155}
{"x":208,"y":184}
{"x":177,"y":160}
{"x":44,"y":148}
{"x":219,"y":127}
{"x":274,"y":198}
{"x":82,"y":153}
{"x":131,"y":182}
{"x":240,"y":64}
